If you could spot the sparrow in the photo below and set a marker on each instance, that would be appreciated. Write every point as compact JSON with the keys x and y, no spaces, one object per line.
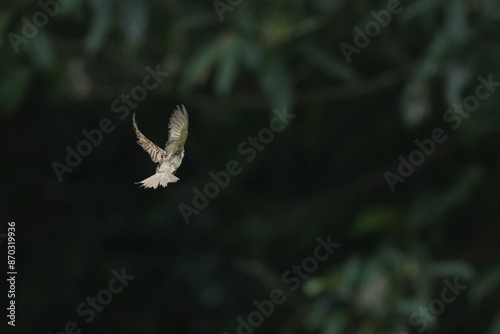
{"x":170,"y":158}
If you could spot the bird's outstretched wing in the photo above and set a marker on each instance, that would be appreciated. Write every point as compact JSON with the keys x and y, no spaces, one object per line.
{"x":154,"y":151}
{"x":178,"y":133}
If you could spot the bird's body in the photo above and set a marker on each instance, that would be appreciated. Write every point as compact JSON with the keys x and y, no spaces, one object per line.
{"x":170,"y":158}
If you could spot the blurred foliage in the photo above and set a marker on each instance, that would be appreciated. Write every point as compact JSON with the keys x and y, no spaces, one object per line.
{"x":323,"y":175}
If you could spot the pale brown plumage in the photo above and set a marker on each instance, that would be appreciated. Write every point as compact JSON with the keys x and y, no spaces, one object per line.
{"x":170,"y":158}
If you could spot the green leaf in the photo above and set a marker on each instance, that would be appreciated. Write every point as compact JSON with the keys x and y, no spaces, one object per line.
{"x":450,"y":269}
{"x":227,"y":69}
{"x":41,"y":51}
{"x":373,"y":219}
{"x":200,"y":65}
{"x":134,"y":20}
{"x":71,"y":7}
{"x":352,"y":272}
{"x":195,"y":21}
{"x":486,"y":284}
{"x":100,"y":25}
{"x":251,"y":53}
{"x":433,"y":205}
{"x":307,"y":25}
{"x":418,"y":9}
{"x":495,"y":327}
{"x":336,"y":323}
{"x":456,"y":21}
{"x":5,"y":18}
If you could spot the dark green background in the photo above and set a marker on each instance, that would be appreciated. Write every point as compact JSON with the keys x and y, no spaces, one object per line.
{"x":323,"y":175}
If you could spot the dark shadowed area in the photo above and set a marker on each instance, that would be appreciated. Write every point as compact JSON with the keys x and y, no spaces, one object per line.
{"x":341,"y":173}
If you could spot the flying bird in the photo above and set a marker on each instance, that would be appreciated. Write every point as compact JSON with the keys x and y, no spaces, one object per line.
{"x":170,"y":158}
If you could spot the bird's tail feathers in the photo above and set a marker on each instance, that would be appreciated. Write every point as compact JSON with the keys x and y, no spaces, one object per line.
{"x":158,"y":179}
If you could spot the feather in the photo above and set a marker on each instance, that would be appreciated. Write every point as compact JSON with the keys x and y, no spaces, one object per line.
{"x":170,"y":159}
{"x":178,"y":133}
